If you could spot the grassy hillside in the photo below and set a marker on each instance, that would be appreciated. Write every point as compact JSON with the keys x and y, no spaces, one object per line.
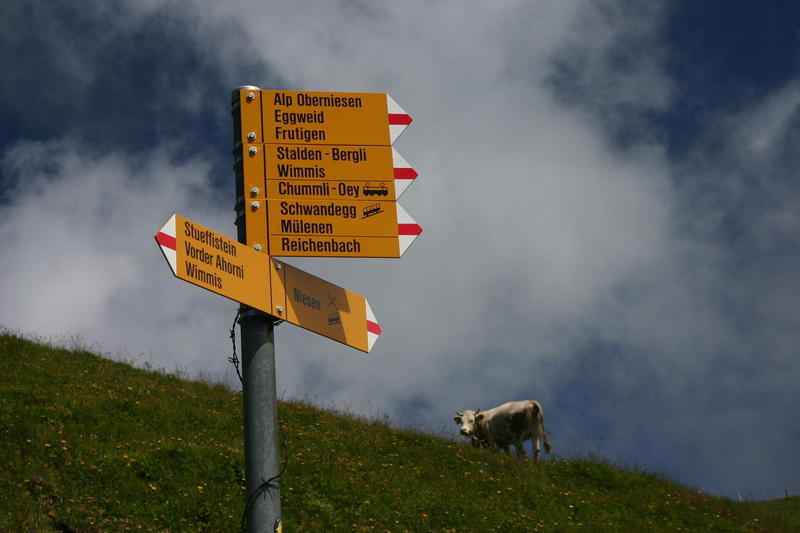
{"x":88,"y":444}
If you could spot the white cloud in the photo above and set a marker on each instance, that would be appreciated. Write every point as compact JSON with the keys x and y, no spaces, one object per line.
{"x":541,"y":241}
{"x":79,"y":257}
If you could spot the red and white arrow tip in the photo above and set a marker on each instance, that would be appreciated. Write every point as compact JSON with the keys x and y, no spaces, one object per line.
{"x":373,"y":329}
{"x":404,"y":175}
{"x":166,"y":241}
{"x":407,"y":229}
{"x":398,"y":119}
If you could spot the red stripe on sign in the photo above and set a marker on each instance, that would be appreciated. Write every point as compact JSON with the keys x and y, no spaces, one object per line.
{"x":405,"y":173}
{"x":409,"y":229}
{"x":373,"y":327}
{"x":168,"y":241}
{"x":399,"y":119}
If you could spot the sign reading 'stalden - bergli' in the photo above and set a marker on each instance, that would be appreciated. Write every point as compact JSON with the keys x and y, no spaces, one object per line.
{"x":336,"y":172}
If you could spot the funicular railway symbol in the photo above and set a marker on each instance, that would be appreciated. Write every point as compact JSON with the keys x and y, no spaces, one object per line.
{"x":372,"y":209}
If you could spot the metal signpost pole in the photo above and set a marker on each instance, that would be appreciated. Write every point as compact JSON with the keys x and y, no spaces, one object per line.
{"x":260,"y":422}
{"x":263,"y":510}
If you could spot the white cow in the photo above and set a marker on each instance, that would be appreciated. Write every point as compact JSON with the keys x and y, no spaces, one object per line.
{"x":510,"y":423}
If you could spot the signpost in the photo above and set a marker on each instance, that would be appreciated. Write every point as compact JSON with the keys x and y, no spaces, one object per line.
{"x":308,"y":117}
{"x":214,"y":262}
{"x":330,"y":189}
{"x":327,"y":236}
{"x":316,"y":175}
{"x":379,"y":172}
{"x":322,"y":307}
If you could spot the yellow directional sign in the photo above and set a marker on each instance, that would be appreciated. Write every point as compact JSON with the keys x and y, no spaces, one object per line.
{"x":327,"y":217}
{"x":320,"y":177}
{"x":317,"y":246}
{"x":343,"y":162}
{"x":334,"y":172}
{"x":369,"y":191}
{"x":322,"y":307}
{"x":312,"y":118}
{"x":213,"y":261}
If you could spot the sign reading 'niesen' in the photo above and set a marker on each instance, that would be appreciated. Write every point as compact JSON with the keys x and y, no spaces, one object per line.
{"x":303,"y":117}
{"x":324,"y":308}
{"x":213,"y":261}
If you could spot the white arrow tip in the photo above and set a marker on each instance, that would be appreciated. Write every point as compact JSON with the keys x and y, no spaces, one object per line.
{"x":407,"y":229}
{"x":403,"y":173}
{"x":166,"y":241}
{"x":398,"y":119}
{"x":373,"y":329}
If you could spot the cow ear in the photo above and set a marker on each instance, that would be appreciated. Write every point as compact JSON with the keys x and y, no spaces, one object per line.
{"x":457,"y":419}
{"x":478,"y":417}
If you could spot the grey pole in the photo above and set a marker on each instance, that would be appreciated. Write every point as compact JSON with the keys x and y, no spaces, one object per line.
{"x":259,"y":391}
{"x":260,"y":422}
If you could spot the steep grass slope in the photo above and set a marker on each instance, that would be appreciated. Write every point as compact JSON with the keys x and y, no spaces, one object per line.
{"x":90,"y":445}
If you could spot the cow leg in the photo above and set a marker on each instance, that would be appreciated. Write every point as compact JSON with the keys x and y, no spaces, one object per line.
{"x":536,"y":449}
{"x":520,"y":448}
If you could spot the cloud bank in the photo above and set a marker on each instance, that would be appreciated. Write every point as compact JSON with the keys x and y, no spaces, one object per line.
{"x":645,"y":299}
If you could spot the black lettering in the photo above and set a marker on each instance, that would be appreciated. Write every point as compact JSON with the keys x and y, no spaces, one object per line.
{"x":282,"y":99}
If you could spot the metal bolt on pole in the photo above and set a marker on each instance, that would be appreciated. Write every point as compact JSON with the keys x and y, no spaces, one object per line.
{"x":259,"y":392}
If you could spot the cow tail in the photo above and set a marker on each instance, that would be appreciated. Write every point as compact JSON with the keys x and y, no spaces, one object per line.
{"x":540,"y":422}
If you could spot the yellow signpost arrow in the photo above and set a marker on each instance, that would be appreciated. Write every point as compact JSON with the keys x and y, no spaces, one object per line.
{"x":212,"y":261}
{"x":336,"y":172}
{"x":322,"y":307}
{"x":320,"y":177}
{"x":314,"y":117}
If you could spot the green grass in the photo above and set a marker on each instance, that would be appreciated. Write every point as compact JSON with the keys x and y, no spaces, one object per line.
{"x":96,"y":445}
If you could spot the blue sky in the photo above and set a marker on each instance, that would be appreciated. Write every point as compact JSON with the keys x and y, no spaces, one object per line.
{"x":609,"y":192}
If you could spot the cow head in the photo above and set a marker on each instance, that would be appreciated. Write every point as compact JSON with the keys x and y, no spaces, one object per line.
{"x":466,"y":420}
